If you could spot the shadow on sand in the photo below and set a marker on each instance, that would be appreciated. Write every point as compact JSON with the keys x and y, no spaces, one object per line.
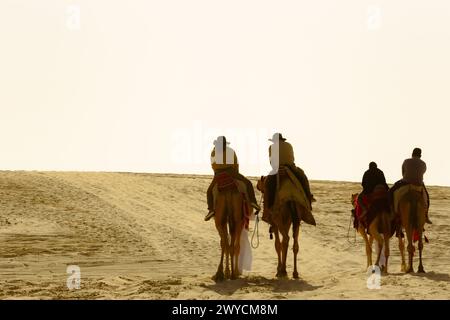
{"x":435,"y":276}
{"x":252,"y":283}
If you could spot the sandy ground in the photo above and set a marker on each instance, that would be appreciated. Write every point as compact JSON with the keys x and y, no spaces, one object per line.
{"x":142,"y":236}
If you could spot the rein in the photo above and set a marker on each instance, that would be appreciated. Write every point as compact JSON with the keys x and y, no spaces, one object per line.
{"x":256,"y":229}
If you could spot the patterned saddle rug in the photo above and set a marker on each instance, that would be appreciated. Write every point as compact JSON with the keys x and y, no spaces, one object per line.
{"x":225,"y":182}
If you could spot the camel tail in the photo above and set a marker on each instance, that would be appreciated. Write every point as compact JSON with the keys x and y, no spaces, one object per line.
{"x":413,"y":218}
{"x":294,"y":214}
{"x":385,"y":224}
{"x":230,"y":224}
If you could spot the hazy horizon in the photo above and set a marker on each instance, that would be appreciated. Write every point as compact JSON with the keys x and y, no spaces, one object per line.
{"x":193,"y":175}
{"x":147,"y":86}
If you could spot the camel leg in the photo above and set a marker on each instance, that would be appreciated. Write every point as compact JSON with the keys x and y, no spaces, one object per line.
{"x":278,"y":250}
{"x":219,"y":220}
{"x":370,"y":247}
{"x":231,"y":250}
{"x":227,"y":261}
{"x":233,"y":256}
{"x":227,"y":251}
{"x":374,"y":232}
{"x":284,"y":251}
{"x":296,"y":229}
{"x":409,"y":235}
{"x":363,"y":234}
{"x":401,"y":246}
{"x":421,"y":269}
{"x":219,"y":276}
{"x":386,"y":251}
{"x":237,"y":249}
{"x":236,"y":226}
{"x":380,"y":249}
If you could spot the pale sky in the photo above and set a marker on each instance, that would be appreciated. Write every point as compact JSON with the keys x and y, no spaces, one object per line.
{"x":146,"y":86}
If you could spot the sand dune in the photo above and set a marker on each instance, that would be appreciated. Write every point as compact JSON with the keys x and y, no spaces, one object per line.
{"x":142,"y":236}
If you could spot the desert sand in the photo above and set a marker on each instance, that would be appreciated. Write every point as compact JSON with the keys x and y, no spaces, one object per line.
{"x":142,"y":236}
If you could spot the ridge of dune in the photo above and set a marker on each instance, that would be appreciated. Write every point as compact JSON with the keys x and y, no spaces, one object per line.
{"x":142,"y":236}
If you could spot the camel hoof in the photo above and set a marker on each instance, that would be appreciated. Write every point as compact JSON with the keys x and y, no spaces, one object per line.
{"x":282,"y":275}
{"x":403,"y":268}
{"x":384,"y":270}
{"x":410,"y":270}
{"x":295,"y":275}
{"x":227,"y":274}
{"x":218,"y":277}
{"x":421,"y":270}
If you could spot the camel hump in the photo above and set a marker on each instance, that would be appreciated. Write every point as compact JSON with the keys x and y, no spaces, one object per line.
{"x":401,"y":192}
{"x":290,"y":189}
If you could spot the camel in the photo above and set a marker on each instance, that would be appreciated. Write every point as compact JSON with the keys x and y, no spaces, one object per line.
{"x":412,"y":208}
{"x":285,"y":215}
{"x":380,"y":225}
{"x":229,"y":220}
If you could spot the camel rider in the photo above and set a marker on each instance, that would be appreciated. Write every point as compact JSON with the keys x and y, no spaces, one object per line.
{"x":224,"y":159}
{"x":285,"y":158}
{"x":413,"y":170}
{"x":371,"y":179}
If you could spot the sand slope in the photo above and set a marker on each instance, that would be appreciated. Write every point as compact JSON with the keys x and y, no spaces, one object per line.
{"x":142,"y":236}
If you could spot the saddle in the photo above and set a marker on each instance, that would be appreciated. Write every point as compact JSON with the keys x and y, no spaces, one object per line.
{"x":378,"y":193}
{"x":225,"y":182}
{"x":403,"y":190}
{"x":290,"y":189}
{"x":375,"y":202}
{"x":399,"y":194}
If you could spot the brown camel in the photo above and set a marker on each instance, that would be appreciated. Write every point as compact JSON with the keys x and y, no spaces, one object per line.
{"x":229,"y":219}
{"x":412,"y":207}
{"x":285,"y":214}
{"x":382,"y":224}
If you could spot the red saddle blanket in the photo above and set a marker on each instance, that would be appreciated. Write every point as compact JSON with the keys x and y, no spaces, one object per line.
{"x":225,"y":181}
{"x":374,"y":202}
{"x":358,"y":209}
